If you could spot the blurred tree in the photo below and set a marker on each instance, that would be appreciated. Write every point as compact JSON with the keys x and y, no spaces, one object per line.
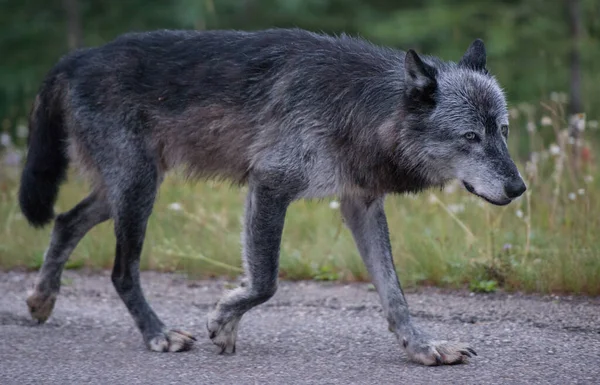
{"x":575,"y":102}
{"x":575,"y":26}
{"x":74,"y":31}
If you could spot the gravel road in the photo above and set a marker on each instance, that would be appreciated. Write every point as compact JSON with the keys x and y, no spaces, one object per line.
{"x":309,"y":333}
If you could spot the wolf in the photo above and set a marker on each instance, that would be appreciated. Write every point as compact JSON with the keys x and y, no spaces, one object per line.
{"x":289,"y":113}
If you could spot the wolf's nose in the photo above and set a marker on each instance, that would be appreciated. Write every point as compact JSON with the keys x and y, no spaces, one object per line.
{"x":515,"y":189}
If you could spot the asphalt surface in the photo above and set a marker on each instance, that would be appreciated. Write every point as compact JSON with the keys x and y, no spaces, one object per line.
{"x":308,"y":333}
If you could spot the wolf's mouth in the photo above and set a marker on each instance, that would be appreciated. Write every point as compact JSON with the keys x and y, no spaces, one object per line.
{"x":471,"y":189}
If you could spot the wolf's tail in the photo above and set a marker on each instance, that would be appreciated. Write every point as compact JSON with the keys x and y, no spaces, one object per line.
{"x":47,"y":161}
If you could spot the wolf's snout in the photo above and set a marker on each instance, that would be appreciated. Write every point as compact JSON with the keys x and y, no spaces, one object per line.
{"x":515,"y":189}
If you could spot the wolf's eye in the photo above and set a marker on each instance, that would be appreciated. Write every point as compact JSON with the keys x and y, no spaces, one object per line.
{"x":504,"y":130}
{"x":471,"y":136}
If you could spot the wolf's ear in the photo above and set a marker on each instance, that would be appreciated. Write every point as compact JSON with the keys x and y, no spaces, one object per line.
{"x":475,"y":57}
{"x":419,"y":76}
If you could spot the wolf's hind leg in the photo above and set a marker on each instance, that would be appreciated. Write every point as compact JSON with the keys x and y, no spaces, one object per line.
{"x":69,"y":229}
{"x":368,"y":224}
{"x":263,"y":225}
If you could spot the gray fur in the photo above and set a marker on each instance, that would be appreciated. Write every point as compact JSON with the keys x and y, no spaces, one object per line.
{"x":290,"y":113}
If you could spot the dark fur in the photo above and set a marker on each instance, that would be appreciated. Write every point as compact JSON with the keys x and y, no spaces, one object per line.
{"x":292,"y":114}
{"x":47,"y":162}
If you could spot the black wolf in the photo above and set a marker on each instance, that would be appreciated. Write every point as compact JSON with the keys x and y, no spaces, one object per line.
{"x":290,"y":113}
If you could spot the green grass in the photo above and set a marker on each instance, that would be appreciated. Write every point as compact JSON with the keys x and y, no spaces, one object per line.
{"x":545,"y":242}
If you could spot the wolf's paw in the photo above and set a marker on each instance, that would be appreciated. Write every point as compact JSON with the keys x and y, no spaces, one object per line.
{"x":41,"y":305}
{"x":223,"y":332}
{"x":171,"y":341}
{"x":432,"y":353}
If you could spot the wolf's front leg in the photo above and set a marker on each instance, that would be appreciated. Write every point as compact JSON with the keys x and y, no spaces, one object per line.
{"x":366,"y":220}
{"x":263,"y":225}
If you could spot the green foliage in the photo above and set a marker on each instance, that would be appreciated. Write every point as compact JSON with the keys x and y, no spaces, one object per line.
{"x":325,"y":273}
{"x":483,"y":286}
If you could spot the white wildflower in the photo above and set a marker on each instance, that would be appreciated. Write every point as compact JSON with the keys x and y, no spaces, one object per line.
{"x":451,"y":188}
{"x":581,"y":191}
{"x":578,"y":122}
{"x":456,"y":208}
{"x":519,"y":213}
{"x":546,"y":121}
{"x":531,"y":127}
{"x":175,"y":206}
{"x":572,"y":196}
{"x":334,"y":205}
{"x":5,"y":140}
{"x":432,"y":199}
{"x":554,"y":149}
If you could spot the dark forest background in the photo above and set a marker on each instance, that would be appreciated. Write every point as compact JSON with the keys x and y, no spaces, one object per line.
{"x":536,"y":48}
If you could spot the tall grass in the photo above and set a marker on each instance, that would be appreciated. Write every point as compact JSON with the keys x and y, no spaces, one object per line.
{"x":547,"y":241}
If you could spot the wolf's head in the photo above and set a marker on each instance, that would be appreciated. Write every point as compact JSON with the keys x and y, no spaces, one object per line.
{"x":456,"y":125}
